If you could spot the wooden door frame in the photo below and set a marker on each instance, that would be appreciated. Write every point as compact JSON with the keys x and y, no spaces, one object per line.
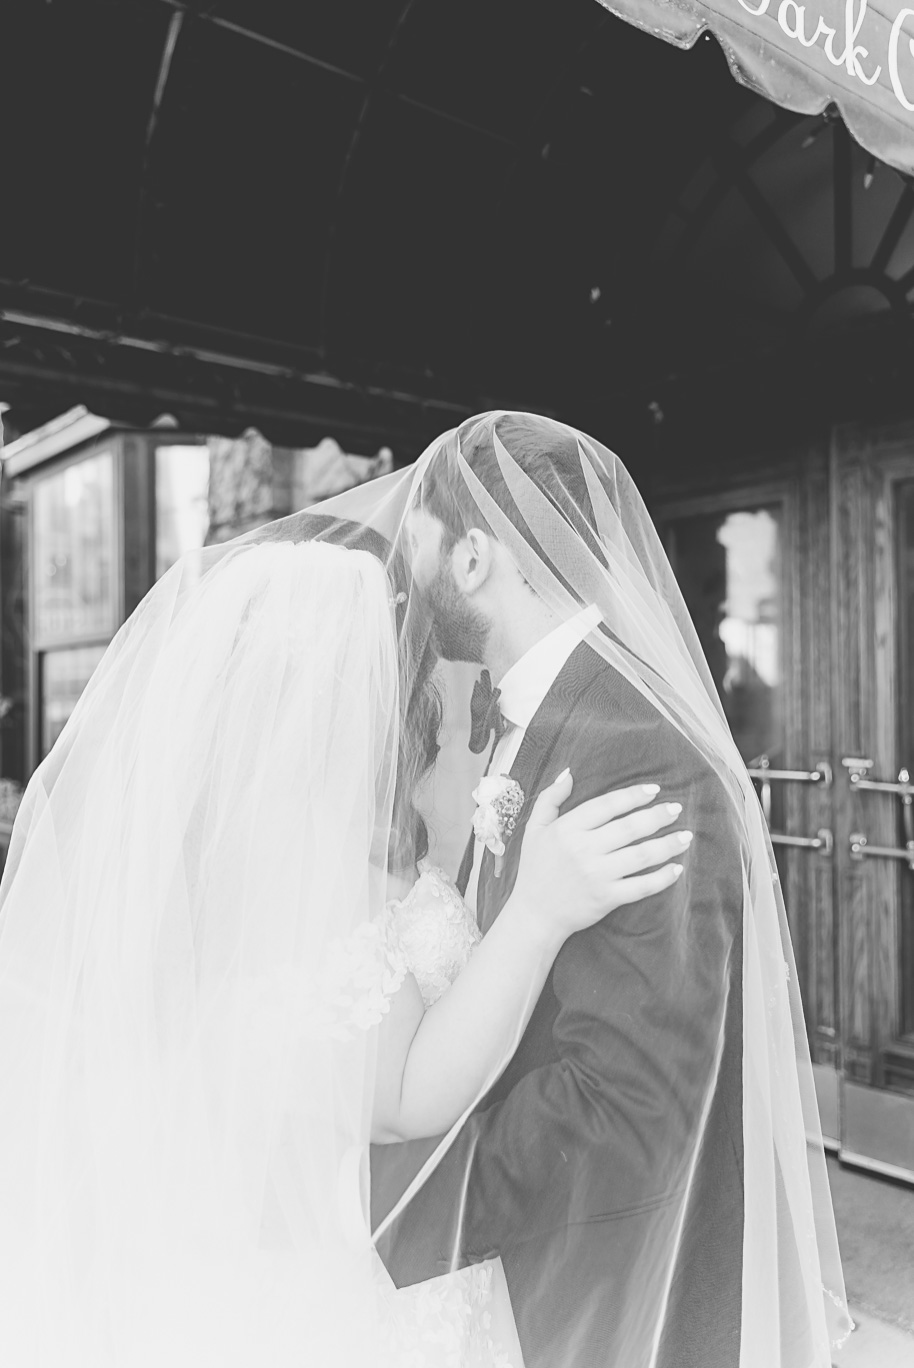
{"x":877,"y":1066}
{"x":801,"y":497}
{"x":797,"y":477}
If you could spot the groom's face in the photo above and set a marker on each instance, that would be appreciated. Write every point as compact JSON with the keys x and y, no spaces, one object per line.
{"x":459,"y":629}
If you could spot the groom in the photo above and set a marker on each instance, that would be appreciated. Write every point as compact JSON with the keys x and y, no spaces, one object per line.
{"x":581,"y":1168}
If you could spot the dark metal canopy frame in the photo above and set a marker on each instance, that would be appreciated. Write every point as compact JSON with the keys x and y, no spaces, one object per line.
{"x":369,"y":219}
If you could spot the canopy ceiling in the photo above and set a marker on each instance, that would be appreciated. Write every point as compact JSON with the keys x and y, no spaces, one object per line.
{"x":366,"y":217}
{"x":854,"y":54}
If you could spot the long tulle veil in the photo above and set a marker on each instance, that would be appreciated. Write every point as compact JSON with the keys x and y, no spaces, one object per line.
{"x":581,"y":534}
{"x":185,"y":1083}
{"x":189,"y":977}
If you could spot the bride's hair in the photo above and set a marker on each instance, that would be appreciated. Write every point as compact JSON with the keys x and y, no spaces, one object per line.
{"x":420,"y":702}
{"x":420,"y":723}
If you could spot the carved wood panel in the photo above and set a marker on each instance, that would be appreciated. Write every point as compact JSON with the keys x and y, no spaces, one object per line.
{"x":796,"y":481}
{"x":841,"y":619}
{"x":868,"y":469}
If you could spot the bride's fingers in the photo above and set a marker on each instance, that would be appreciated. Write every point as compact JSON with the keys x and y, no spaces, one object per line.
{"x":645,"y":854}
{"x":643,"y":885}
{"x":606,"y":807}
{"x":635,"y":826}
{"x":547,"y":806}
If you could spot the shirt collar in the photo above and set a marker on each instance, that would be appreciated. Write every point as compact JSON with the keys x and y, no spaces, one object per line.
{"x":529,"y":679}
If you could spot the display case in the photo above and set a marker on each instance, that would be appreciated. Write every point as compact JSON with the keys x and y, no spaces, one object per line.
{"x":91,"y":515}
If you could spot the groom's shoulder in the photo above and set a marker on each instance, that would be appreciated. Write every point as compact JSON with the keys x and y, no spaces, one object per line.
{"x":611,"y":702}
{"x":614,"y":722}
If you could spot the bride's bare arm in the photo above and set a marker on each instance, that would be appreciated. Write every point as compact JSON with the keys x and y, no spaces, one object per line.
{"x":433,"y":1065}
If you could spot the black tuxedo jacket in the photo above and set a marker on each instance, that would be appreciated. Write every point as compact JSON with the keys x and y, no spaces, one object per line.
{"x":581,"y":1167}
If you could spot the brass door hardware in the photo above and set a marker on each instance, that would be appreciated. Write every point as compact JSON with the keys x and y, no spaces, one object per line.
{"x":858,"y":768}
{"x":823,"y":840}
{"x":761,"y":771}
{"x":861,"y":850}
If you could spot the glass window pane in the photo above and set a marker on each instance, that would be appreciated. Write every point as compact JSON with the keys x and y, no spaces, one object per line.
{"x":182,"y":502}
{"x":74,"y":550}
{"x":64,"y":675}
{"x":727,"y":565}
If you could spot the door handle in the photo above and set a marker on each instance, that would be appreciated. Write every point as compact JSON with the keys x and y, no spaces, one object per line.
{"x":760,"y":770}
{"x":857,"y":771}
{"x":823,"y":840}
{"x":861,"y":850}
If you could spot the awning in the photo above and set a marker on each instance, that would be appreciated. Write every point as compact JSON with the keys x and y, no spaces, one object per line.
{"x":857,"y":54}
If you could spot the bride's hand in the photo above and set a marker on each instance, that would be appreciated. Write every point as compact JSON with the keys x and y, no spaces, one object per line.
{"x":576,"y":868}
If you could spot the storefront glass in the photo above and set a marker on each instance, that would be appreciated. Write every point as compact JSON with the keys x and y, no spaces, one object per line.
{"x":727,"y":567}
{"x":64,"y":675}
{"x":74,"y":551}
{"x":182,"y":502}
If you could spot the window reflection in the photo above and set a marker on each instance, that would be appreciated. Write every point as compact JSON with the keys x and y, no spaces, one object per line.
{"x":182,"y":502}
{"x":74,"y":550}
{"x":727,"y":565}
{"x":750,"y":631}
{"x":64,"y":675}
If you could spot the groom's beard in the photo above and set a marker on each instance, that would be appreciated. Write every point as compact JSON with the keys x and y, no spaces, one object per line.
{"x":459,"y":631}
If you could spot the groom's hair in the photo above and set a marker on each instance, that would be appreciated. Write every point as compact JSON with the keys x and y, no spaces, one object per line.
{"x":547,"y":454}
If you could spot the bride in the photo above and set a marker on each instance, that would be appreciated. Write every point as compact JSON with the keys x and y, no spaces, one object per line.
{"x":227,"y":965}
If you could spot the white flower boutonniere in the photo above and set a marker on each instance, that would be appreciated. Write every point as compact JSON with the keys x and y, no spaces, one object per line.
{"x":499,"y":801}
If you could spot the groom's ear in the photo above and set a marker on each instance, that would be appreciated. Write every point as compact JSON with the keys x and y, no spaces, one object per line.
{"x":471,"y":560}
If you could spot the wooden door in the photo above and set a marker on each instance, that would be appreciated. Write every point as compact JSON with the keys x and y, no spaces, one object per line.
{"x":752,"y":560}
{"x":831,"y":738}
{"x":872,"y":518}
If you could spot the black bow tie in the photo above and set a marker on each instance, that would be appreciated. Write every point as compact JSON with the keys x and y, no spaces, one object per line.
{"x":485,"y":714}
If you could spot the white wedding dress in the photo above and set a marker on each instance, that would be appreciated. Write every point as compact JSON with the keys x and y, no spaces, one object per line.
{"x":462,"y":1319}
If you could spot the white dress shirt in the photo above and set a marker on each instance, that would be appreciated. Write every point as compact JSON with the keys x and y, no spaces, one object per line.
{"x":523,"y":689}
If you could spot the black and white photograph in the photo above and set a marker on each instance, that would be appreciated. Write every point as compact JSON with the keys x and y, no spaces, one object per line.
{"x":457,"y":684}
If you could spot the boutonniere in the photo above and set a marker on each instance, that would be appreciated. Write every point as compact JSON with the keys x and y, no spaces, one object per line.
{"x":499,"y":801}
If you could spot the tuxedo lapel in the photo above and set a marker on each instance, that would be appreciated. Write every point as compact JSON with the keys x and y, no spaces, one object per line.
{"x":532,"y":773}
{"x":466,"y":866}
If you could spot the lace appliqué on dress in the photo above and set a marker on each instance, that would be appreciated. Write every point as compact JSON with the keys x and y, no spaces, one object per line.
{"x":430,"y":933}
{"x":361,"y":975}
{"x":447,"y":1321}
{"x":351,"y":992}
{"x":434,"y":929}
{"x":444,"y":1323}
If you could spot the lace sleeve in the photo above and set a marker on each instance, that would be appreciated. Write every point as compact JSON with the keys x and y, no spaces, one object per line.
{"x":351,"y":991}
{"x":362,"y":973}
